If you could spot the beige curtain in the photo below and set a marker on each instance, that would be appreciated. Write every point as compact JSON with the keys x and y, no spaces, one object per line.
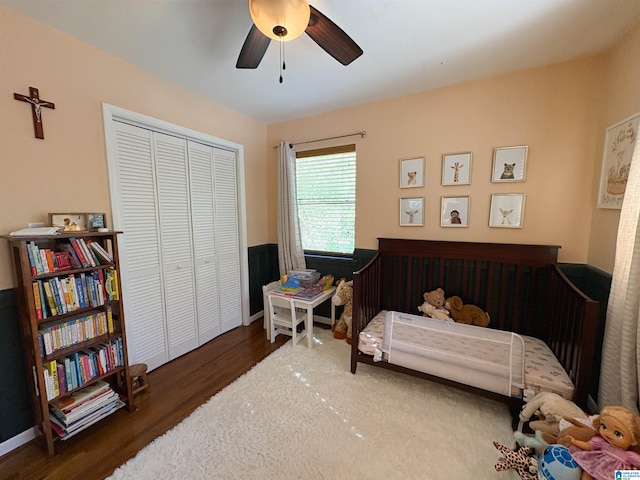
{"x":620,"y":362}
{"x":290,"y":251}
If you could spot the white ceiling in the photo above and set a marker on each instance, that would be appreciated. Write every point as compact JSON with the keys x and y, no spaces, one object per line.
{"x":409,"y":45}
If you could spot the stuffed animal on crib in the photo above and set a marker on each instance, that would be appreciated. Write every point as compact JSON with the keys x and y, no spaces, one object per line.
{"x":550,"y":409}
{"x":433,"y":305}
{"x":519,"y":460}
{"x":343,"y":296}
{"x":467,"y":314}
{"x":612,"y":448}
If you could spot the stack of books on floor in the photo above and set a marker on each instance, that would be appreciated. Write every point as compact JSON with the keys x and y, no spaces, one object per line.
{"x":72,"y":414}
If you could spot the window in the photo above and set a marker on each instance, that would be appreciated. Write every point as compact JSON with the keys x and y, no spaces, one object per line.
{"x":326,"y":189}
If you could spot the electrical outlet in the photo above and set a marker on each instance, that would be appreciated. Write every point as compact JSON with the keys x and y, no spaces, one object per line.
{"x":35,"y":224}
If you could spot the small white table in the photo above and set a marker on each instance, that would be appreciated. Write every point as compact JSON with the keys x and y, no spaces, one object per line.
{"x":309,"y":305}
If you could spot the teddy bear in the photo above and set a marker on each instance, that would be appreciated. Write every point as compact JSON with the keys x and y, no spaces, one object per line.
{"x":467,"y":314}
{"x":433,"y":305}
{"x":343,"y":296}
{"x":550,"y":408}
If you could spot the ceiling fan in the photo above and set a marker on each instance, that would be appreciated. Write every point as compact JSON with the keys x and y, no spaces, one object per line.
{"x":285,"y":20}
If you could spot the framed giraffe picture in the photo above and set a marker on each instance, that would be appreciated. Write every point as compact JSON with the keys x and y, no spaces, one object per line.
{"x":412,"y":212}
{"x":507,"y":210}
{"x":456,"y":168}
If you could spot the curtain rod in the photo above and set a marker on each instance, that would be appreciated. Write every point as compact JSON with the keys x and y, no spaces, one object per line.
{"x":362,"y":134}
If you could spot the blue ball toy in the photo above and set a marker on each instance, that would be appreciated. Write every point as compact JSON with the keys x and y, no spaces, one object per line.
{"x":556,"y":463}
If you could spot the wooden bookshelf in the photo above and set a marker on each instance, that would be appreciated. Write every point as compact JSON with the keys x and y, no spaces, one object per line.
{"x":79,"y":339}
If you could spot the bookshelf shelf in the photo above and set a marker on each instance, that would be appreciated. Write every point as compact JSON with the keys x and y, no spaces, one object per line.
{"x":73,"y":329}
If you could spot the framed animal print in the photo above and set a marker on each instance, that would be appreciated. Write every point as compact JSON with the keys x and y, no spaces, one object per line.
{"x":509,"y":164}
{"x":412,"y":172}
{"x":507,"y":210}
{"x":412,"y":212}
{"x":454,"y":212}
{"x":456,"y":168}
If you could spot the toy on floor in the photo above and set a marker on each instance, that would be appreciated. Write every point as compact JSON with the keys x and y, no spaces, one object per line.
{"x":556,"y":463}
{"x":579,"y":429}
{"x":550,"y":408}
{"x":433,"y":305}
{"x":467,"y":314}
{"x":612,"y":448}
{"x":343,"y":296}
{"x":519,"y":460}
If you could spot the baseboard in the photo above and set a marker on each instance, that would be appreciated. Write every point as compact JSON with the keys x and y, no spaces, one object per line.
{"x":320,"y":319}
{"x":17,"y":441}
{"x":256,"y":316}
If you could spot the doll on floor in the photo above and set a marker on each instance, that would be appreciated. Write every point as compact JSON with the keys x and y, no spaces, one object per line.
{"x":613,"y":448}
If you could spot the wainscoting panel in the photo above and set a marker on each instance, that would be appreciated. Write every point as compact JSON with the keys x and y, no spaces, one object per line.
{"x":263,"y":269}
{"x":15,"y":409}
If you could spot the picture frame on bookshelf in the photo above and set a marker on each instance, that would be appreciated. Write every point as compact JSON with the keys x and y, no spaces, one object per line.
{"x":70,"y":222}
{"x":96,"y":221}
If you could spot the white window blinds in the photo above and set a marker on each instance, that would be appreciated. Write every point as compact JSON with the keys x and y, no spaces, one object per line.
{"x":326,"y":192}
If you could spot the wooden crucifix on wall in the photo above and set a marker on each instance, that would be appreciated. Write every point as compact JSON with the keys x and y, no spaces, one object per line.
{"x":36,"y":108}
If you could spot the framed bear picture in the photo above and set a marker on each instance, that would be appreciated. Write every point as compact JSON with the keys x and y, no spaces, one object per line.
{"x":412,"y":172}
{"x":509,"y":164}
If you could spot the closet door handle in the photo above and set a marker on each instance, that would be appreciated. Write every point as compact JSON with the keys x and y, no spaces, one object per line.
{"x":179,"y":266}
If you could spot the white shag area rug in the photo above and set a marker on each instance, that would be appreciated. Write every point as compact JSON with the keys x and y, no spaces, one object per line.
{"x":301,"y":414}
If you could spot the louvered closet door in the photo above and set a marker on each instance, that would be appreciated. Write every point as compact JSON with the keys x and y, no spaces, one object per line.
{"x":227,"y":238}
{"x":203,"y":220}
{"x":176,"y":247}
{"x":140,"y":247}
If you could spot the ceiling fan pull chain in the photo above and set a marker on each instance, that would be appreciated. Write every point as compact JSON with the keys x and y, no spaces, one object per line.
{"x":283,"y":65}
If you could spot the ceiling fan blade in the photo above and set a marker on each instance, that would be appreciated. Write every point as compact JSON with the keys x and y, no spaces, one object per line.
{"x":253,"y":49}
{"x":332,"y":38}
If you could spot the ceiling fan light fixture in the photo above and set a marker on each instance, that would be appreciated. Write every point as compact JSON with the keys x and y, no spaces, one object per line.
{"x":280,"y":19}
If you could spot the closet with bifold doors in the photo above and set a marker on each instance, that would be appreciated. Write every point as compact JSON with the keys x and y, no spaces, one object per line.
{"x":179,"y":202}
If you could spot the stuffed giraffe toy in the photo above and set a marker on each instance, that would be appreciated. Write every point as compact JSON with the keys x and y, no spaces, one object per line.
{"x":520,"y":460}
{"x":344,"y":296}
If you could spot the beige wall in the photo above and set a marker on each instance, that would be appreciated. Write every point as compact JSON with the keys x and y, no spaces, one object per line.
{"x":621,"y":99}
{"x":67,"y":171}
{"x":553,"y":110}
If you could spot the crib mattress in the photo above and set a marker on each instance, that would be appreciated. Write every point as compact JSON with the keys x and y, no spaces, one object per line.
{"x":542,"y":371}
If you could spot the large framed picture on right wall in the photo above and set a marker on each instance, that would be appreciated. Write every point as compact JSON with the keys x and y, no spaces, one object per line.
{"x":619,"y":142}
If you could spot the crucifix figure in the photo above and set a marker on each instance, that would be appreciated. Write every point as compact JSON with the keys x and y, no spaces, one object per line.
{"x":36,"y":108}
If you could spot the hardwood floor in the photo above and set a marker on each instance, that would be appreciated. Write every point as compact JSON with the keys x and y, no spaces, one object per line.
{"x":176,"y":389}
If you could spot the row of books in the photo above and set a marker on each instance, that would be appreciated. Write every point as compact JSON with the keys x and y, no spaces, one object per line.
{"x":77,"y":253}
{"x":60,"y":295}
{"x":303,"y":294}
{"x":77,"y":369}
{"x":45,"y":260}
{"x":75,"y":331}
{"x":72,"y":414}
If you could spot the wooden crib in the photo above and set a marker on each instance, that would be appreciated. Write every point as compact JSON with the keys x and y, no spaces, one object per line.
{"x":520,"y":286}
